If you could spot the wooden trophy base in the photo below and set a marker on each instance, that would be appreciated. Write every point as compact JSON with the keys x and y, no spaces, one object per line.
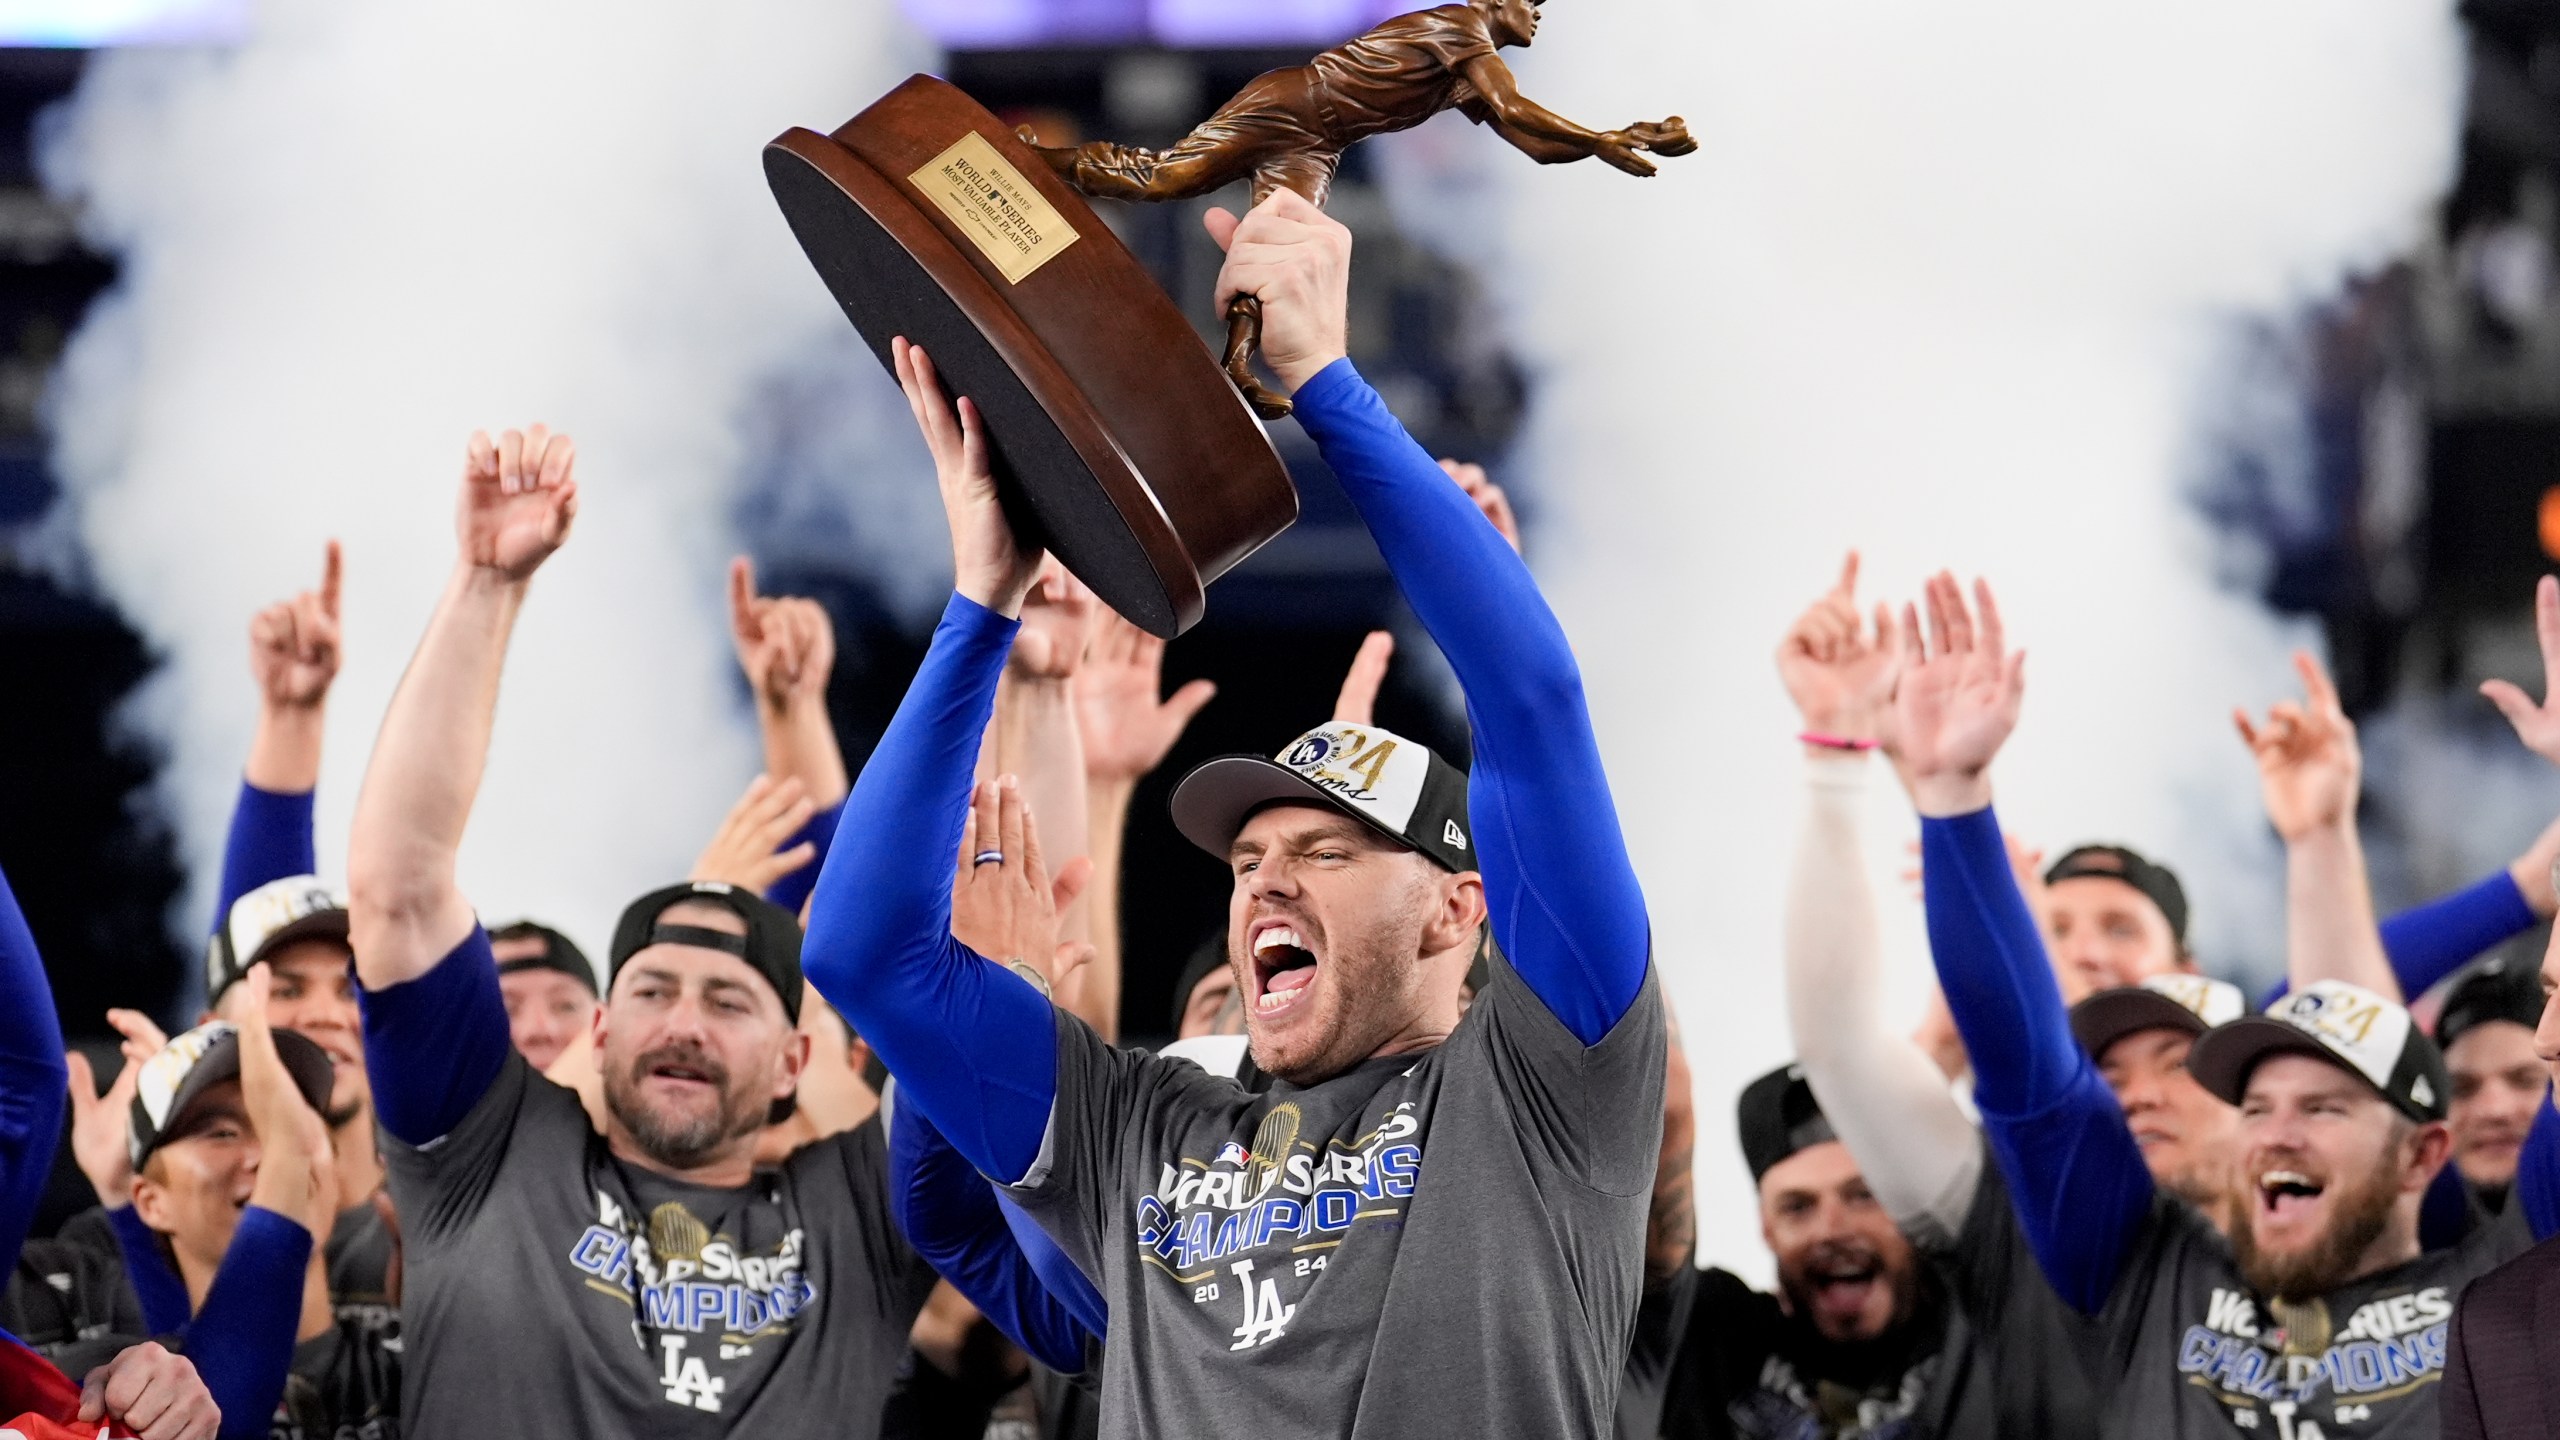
{"x":1118,"y":442}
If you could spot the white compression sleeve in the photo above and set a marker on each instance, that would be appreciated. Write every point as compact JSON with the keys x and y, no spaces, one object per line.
{"x":1885,"y":1099}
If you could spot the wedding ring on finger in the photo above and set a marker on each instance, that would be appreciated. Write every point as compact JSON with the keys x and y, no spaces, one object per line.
{"x":989,"y":857}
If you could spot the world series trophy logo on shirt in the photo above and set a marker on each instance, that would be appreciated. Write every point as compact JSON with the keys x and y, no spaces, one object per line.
{"x":1120,"y":443}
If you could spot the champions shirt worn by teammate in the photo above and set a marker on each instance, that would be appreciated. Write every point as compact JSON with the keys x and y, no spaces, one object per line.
{"x":550,"y":1288}
{"x":1441,"y":1242}
{"x":2180,"y":1344}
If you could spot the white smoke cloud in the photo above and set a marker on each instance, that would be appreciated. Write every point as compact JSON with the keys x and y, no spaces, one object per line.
{"x":370,"y":230}
{"x":1941,"y":284}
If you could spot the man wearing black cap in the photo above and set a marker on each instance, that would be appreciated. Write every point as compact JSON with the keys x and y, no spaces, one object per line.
{"x":2318,"y":1314}
{"x":1858,"y":1341}
{"x":1430,"y":1225}
{"x":648,"y":1280}
{"x":2485,"y":1029}
{"x":549,"y":986}
{"x":2114,"y":917}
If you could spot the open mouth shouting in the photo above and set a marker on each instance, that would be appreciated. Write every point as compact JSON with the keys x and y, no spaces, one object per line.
{"x":2288,"y":1198}
{"x":1284,"y":968}
{"x":1844,"y":1283}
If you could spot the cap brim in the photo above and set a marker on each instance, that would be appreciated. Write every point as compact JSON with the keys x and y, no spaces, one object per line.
{"x":318,"y":925}
{"x":2110,"y":1015}
{"x":304,"y":1060}
{"x":2224,"y":1055}
{"x":1212,"y":803}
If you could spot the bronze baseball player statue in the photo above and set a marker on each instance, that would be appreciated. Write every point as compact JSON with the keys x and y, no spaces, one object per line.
{"x":1290,"y":127}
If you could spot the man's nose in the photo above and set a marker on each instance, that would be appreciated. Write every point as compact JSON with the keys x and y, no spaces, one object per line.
{"x":1271,"y":877}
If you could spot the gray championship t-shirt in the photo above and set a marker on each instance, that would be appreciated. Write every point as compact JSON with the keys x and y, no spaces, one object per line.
{"x":2184,"y":1348}
{"x":549,"y":1289}
{"x":1443,"y":1243}
{"x":2029,"y":1349}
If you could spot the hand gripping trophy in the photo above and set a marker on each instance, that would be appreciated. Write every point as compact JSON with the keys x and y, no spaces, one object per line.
{"x":1290,"y":127}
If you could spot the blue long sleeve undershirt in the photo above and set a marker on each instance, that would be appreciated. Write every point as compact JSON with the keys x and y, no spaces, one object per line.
{"x":954,"y":1220}
{"x":2060,"y":1139}
{"x":1560,"y":889}
{"x":434,"y":1045}
{"x":2537,"y":1186}
{"x":242,"y":1340}
{"x":270,"y":839}
{"x":34,"y":1082}
{"x":975,"y":1049}
{"x":2428,"y":942}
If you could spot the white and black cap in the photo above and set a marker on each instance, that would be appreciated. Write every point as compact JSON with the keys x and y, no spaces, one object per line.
{"x":2191,"y":1004}
{"x":298,"y":907}
{"x":1394,"y":785}
{"x":2347,"y":1025}
{"x":173,"y":1080}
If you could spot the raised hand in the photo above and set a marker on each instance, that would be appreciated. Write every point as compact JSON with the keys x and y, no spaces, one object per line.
{"x":2309,"y":765}
{"x":1357,"y":701}
{"x":1839,"y":672}
{"x":1956,"y":701}
{"x":296,"y":1176}
{"x":102,"y":1124}
{"x":519,"y":497}
{"x":2538,"y":726}
{"x":1296,"y":260}
{"x":1488,"y":497}
{"x":1004,"y":904}
{"x":293,"y":644}
{"x":746,"y":850}
{"x":1128,"y":725}
{"x":153,"y":1393}
{"x":1057,"y":620}
{"x":786,"y":645}
{"x":990,"y":565}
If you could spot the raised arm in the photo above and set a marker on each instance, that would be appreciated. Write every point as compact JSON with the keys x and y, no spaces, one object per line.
{"x":1035,"y":738}
{"x":974,"y":1048}
{"x":294,"y":656}
{"x":1884,"y":1094}
{"x":33,"y":1078}
{"x":951,"y":1216}
{"x":2309,"y":770}
{"x":1128,"y":725}
{"x":1562,"y":894}
{"x":406,"y":913}
{"x":787,"y":648}
{"x":2073,"y":1170}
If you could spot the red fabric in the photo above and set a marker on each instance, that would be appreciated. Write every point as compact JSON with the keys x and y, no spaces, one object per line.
{"x":45,"y":1400}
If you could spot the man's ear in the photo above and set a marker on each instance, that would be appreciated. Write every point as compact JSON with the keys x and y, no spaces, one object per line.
{"x":795,"y":1059}
{"x":1461,"y":913}
{"x":150,"y":1202}
{"x":2430,"y":1145}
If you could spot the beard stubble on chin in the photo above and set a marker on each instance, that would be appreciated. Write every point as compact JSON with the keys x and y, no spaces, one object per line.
{"x":679,"y":1143}
{"x":1374,"y":986}
{"x":2362,"y":1213}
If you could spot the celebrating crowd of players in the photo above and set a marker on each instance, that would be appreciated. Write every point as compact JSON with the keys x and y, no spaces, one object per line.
{"x":843,"y":1144}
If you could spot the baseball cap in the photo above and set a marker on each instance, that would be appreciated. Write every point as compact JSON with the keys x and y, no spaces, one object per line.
{"x":2494,"y":989}
{"x":172,"y":1081}
{"x":2348,"y":1026}
{"x":267,"y":919}
{"x":2157,"y":882}
{"x":1395,"y":786}
{"x":558,"y":953}
{"x":771,"y":946}
{"x":2190,"y":1003}
{"x":1778,"y":1116}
